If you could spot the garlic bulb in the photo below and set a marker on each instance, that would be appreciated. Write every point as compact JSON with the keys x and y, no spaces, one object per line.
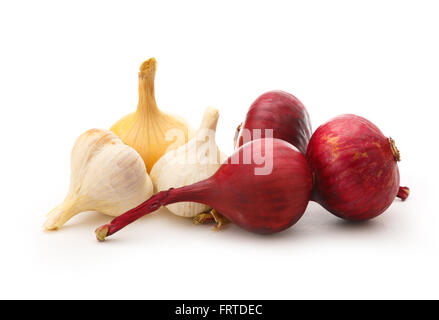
{"x":197,"y":160}
{"x":149,"y":130}
{"x":106,"y":176}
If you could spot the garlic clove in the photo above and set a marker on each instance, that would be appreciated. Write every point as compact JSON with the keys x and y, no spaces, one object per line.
{"x":149,"y":130}
{"x":194,"y":161}
{"x":106,"y":176}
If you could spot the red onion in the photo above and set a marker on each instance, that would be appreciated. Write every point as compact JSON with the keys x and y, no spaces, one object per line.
{"x":355,"y":168}
{"x":282,"y":112}
{"x":257,"y":202}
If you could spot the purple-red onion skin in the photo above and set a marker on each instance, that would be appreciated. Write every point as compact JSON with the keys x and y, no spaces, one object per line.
{"x":264,"y":203}
{"x":282,"y":112}
{"x":356,"y":174}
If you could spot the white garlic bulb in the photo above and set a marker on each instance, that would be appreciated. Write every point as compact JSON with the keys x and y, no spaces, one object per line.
{"x":192,"y":162}
{"x":106,"y":176}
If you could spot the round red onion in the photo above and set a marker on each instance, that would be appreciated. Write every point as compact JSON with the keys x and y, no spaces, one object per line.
{"x":355,"y":168}
{"x":282,"y":112}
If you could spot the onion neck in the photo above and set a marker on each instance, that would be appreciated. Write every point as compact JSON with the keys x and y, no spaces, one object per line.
{"x":237,"y":132}
{"x":196,"y":192}
{"x":147,"y":104}
{"x":395,"y":151}
{"x":403,"y":193}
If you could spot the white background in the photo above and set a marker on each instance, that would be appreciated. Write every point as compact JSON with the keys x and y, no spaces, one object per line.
{"x":66,"y":67}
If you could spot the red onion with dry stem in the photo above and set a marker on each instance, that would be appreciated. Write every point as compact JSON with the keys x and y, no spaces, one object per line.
{"x":257,"y":202}
{"x":283,"y":113}
{"x":355,"y":168}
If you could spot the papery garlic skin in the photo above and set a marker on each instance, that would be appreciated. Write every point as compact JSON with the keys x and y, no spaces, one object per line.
{"x":147,"y":130}
{"x":106,"y":176}
{"x":197,"y":160}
